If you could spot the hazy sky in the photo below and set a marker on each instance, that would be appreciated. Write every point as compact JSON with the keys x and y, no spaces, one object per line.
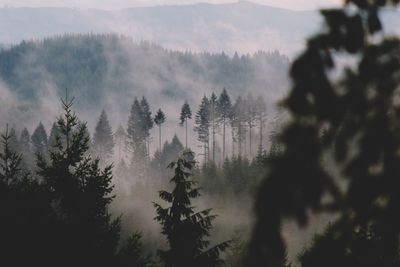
{"x":118,"y":4}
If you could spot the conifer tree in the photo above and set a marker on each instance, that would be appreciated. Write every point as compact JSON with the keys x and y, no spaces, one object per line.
{"x":136,"y":138}
{"x":39,"y":139}
{"x":159,"y":119}
{"x":328,"y":120}
{"x":25,"y":148}
{"x":184,"y":228}
{"x":224,"y":110}
{"x":54,"y":135}
{"x":147,"y":123}
{"x":14,"y":145}
{"x":237,"y":121}
{"x":103,"y":142}
{"x":10,"y":160}
{"x":80,"y":195}
{"x":186,"y":114}
{"x":213,"y":120}
{"x":202,"y":120}
{"x":120,"y":139}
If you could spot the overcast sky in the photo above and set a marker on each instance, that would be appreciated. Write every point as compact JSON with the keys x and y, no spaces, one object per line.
{"x":119,"y":4}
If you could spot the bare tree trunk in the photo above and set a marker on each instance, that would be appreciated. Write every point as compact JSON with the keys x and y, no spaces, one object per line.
{"x":223,"y":142}
{"x":186,"y":134}
{"x":261,"y":133}
{"x":160,"y":136}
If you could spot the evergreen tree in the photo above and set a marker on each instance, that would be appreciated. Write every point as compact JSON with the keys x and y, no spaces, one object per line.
{"x":213,"y":120}
{"x":14,"y":145}
{"x":80,"y":195}
{"x":54,"y":135}
{"x":184,"y":228}
{"x":39,"y":139}
{"x":103,"y":142}
{"x":237,"y":121}
{"x":136,"y":138}
{"x":224,"y":110}
{"x":10,"y":160}
{"x":202,"y":120}
{"x":328,"y":120}
{"x":120,"y":139}
{"x":147,"y":123}
{"x":186,"y":114}
{"x":25,"y":148}
{"x":261,"y":114}
{"x":159,"y":119}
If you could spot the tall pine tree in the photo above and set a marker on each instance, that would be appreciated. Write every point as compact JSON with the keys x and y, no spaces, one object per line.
{"x":202,"y":120}
{"x":184,"y":228}
{"x":159,"y":119}
{"x":103,"y":142}
{"x":39,"y":139}
{"x":186,"y":114}
{"x":224,"y":110}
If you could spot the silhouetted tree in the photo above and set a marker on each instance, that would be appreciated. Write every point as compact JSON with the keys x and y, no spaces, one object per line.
{"x":120,"y":140}
{"x":224,"y":110}
{"x":250,"y":118}
{"x":80,"y":195}
{"x":213,"y":103}
{"x":237,"y":121}
{"x":184,"y":228}
{"x":354,"y":121}
{"x":159,"y":119}
{"x":39,"y":139}
{"x":147,"y":123}
{"x":202,"y":127}
{"x":103,"y":141}
{"x":186,"y":114}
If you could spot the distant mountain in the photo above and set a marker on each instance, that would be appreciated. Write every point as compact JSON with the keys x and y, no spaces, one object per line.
{"x":244,"y":27}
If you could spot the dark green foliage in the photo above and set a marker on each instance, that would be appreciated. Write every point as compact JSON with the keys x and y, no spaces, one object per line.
{"x":131,"y":254}
{"x":202,"y":127}
{"x":39,"y":139}
{"x":136,"y":137}
{"x":186,"y":114}
{"x":356,"y":123}
{"x":224,"y":109}
{"x":80,"y":193}
{"x":159,"y":119}
{"x":171,"y":150}
{"x":184,"y":228}
{"x":103,"y":142}
{"x":85,"y":62}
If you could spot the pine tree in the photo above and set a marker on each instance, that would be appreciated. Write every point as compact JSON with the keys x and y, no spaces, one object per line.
{"x":54,"y":135}
{"x":120,"y":139}
{"x":10,"y":160}
{"x":25,"y":148}
{"x":328,"y":120}
{"x":39,"y":139}
{"x":136,"y":138}
{"x":202,"y":120}
{"x":159,"y":119}
{"x":237,"y":121}
{"x":147,"y":123}
{"x":186,"y":114}
{"x":80,"y":194}
{"x":184,"y":228}
{"x":224,"y":110}
{"x":213,"y":120}
{"x":103,"y":142}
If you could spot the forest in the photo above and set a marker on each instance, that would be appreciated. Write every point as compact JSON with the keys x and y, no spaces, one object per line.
{"x":313,"y":182}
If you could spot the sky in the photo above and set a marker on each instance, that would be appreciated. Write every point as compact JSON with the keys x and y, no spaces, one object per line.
{"x":120,"y":4}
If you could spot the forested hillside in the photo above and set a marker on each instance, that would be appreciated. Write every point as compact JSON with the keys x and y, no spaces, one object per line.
{"x":108,"y":71}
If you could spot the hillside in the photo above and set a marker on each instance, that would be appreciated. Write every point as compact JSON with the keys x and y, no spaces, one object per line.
{"x":107,"y":71}
{"x":244,"y":27}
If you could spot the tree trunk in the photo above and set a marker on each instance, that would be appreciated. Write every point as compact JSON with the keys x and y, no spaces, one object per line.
{"x":223,"y":142}
{"x":250,"y":155}
{"x":160,"y":136}
{"x":186,"y":146}
{"x":261,"y":133}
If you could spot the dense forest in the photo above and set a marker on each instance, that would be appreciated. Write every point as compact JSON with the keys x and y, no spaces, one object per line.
{"x":328,"y":163}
